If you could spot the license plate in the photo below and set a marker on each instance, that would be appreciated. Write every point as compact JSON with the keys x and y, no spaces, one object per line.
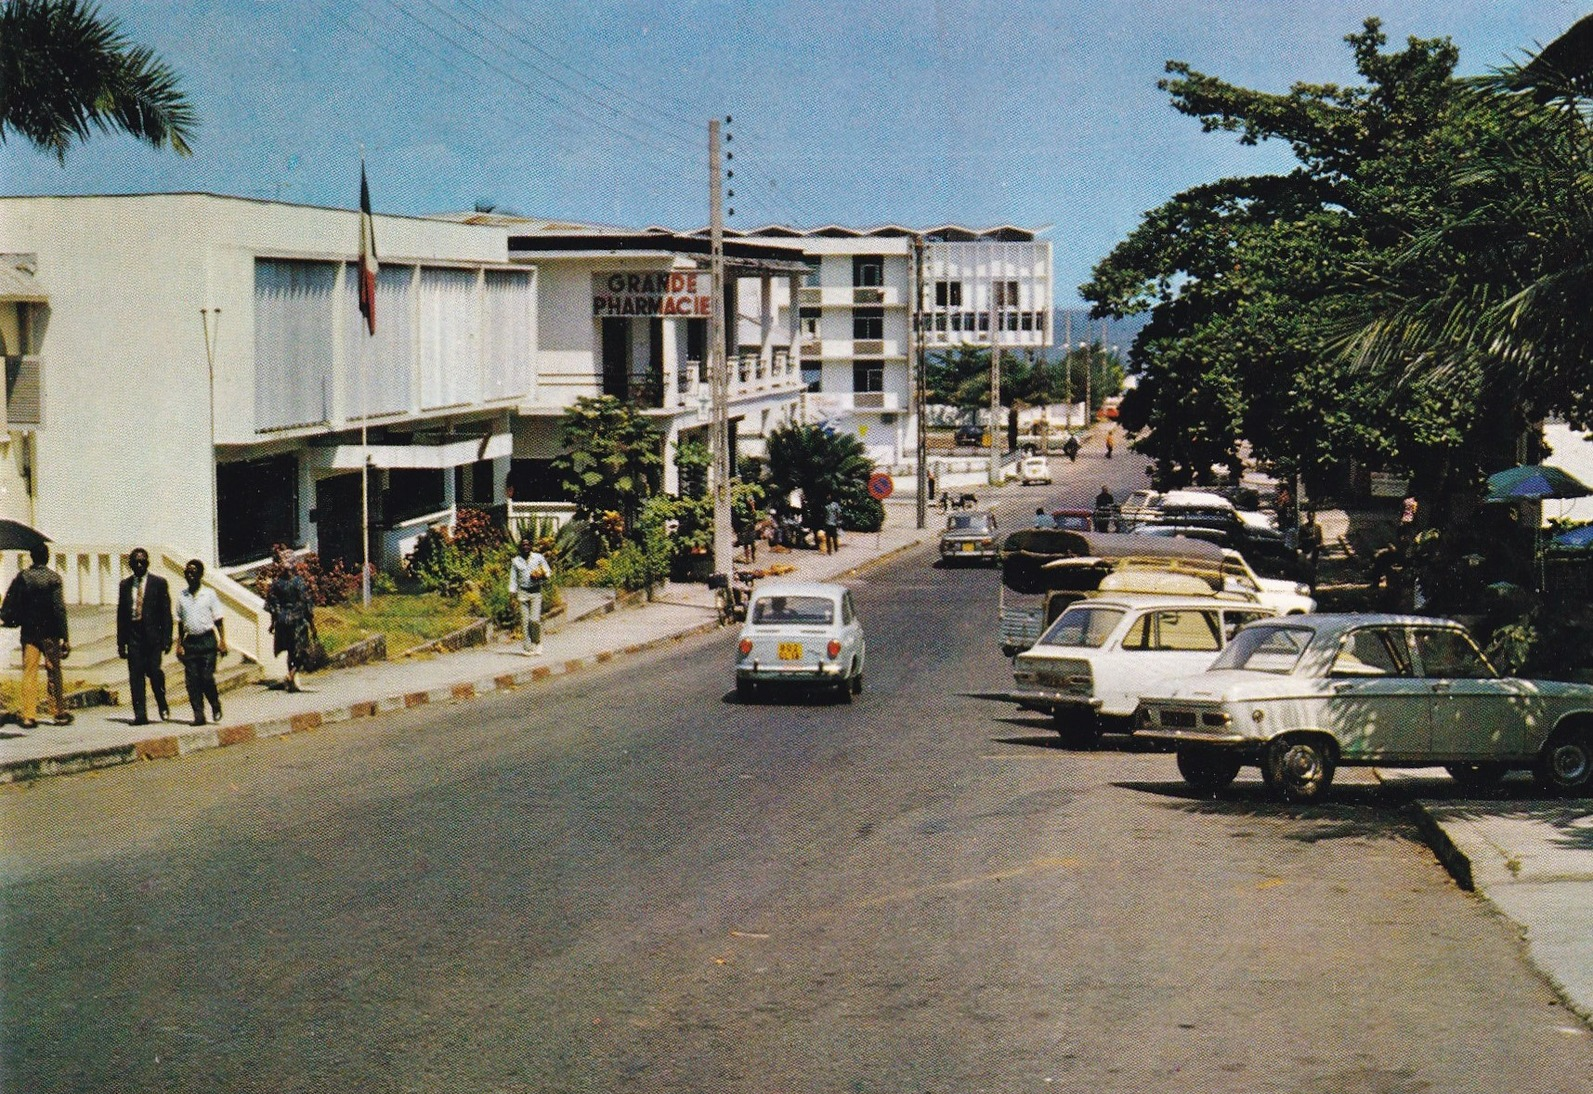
{"x":790,"y":651}
{"x":967,"y":547}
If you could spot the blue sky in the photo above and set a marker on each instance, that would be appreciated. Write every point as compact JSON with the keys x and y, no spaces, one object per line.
{"x":970,"y":111}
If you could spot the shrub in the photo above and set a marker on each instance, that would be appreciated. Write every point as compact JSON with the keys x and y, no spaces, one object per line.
{"x":329,"y":585}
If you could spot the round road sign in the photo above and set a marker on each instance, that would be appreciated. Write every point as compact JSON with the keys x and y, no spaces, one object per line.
{"x":880,"y":485}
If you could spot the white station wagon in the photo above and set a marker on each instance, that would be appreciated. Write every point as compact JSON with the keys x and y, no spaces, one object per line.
{"x":803,"y":634}
{"x":1299,"y":696}
{"x":1092,"y":663}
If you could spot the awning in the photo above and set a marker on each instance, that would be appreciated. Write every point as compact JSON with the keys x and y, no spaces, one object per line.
{"x":18,"y":283}
{"x":420,"y":456}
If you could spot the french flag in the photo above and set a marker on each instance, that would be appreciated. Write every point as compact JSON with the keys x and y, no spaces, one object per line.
{"x":367,"y":254}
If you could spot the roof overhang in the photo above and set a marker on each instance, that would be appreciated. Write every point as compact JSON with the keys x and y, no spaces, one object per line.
{"x":18,"y":282}
{"x":739,"y":254}
{"x":438,"y":456}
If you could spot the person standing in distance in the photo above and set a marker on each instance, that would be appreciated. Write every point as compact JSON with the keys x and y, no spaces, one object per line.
{"x":832,"y":525}
{"x":288,"y":603}
{"x":36,"y":603}
{"x":528,"y":573}
{"x":201,"y":638}
{"x":143,"y":633}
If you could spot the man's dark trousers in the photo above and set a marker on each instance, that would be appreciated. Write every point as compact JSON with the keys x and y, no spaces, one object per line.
{"x":143,"y":662}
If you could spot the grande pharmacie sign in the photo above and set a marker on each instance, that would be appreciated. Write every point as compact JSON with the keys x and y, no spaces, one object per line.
{"x":677,"y":293}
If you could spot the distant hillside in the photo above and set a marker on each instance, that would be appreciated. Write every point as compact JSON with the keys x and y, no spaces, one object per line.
{"x":1119,"y":332}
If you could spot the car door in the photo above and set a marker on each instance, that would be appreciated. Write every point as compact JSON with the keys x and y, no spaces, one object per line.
{"x":1475,"y":714}
{"x":851,"y":631}
{"x":1159,"y":644}
{"x":1377,"y":706}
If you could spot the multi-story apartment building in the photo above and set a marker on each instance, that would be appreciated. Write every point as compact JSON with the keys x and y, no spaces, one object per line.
{"x":858,"y":305}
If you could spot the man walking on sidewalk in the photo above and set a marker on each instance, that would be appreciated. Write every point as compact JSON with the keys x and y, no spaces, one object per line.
{"x":528,"y":573}
{"x":35,"y":603}
{"x":143,"y":633}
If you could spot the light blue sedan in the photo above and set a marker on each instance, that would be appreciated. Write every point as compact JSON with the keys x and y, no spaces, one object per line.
{"x":1301,"y":695}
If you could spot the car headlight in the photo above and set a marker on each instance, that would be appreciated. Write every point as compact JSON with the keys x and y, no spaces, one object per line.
{"x":1302,"y":590}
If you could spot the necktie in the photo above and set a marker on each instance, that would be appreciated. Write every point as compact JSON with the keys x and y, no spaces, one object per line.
{"x":138,"y":600}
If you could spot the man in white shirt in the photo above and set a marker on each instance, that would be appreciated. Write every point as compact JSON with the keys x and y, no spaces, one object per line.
{"x":201,"y":638}
{"x":528,"y":572}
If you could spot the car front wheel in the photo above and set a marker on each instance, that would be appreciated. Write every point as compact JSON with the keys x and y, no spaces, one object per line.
{"x":1207,"y":768}
{"x":1565,"y":766}
{"x":1300,"y":767}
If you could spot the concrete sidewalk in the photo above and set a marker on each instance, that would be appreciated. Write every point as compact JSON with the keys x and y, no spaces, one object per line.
{"x":1531,"y":858}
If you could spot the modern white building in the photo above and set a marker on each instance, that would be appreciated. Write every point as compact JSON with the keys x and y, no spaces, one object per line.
{"x":626,"y":313}
{"x":858,"y":301}
{"x":192,"y":372}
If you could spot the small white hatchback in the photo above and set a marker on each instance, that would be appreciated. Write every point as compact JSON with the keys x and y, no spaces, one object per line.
{"x":803,"y":634}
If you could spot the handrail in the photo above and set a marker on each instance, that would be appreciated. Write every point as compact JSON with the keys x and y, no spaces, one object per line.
{"x":91,"y":574}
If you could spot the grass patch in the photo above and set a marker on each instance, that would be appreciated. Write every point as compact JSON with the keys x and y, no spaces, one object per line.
{"x":407,"y":619}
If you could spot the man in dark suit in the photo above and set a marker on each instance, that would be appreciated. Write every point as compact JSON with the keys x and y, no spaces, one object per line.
{"x":143,"y":633}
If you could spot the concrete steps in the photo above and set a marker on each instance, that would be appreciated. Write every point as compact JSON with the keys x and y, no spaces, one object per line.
{"x":97,"y":676}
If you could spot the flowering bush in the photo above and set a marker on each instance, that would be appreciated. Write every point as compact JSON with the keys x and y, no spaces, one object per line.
{"x":328,"y":585}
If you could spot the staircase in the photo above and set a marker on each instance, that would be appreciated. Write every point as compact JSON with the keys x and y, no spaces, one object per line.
{"x":95,"y":675}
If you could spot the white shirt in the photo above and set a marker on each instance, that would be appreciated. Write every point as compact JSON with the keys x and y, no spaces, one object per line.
{"x":525,"y":569}
{"x":198,"y":612}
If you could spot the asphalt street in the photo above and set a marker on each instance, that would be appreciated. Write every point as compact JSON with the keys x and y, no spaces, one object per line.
{"x":625,"y":878}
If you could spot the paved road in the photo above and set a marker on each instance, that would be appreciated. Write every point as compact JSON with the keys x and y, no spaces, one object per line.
{"x":626,"y":879}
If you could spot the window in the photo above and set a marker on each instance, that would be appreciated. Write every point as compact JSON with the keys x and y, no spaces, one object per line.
{"x":948,"y":294}
{"x":1369,"y":652}
{"x":1450,"y":655}
{"x":809,"y":318}
{"x":1082,"y":627}
{"x":812,"y":376}
{"x":810,"y":279}
{"x":1180,"y":631}
{"x":257,"y":507}
{"x":293,"y":339}
{"x":868,"y":323}
{"x":1006,"y":293}
{"x":868,"y":375}
{"x":868,"y":271}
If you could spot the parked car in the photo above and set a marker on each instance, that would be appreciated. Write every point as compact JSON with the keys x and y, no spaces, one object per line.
{"x":1263,"y":548}
{"x":1074,"y":519}
{"x":1298,"y":697}
{"x":803,"y":634}
{"x":1138,"y":506}
{"x":969,"y":435}
{"x":969,"y":537}
{"x":1034,"y":471}
{"x":1090,"y":666}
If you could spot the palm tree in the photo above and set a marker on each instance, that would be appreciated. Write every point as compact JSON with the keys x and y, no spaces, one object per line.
{"x":823,"y":465}
{"x":66,"y":70}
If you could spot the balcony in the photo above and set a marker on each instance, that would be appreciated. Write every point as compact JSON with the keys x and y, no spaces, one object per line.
{"x":846,"y":296}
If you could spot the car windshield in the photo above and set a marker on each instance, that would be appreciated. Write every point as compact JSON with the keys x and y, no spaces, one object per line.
{"x":1261,"y":648}
{"x":966,"y":524}
{"x":793,"y":609}
{"x":1082,"y":627}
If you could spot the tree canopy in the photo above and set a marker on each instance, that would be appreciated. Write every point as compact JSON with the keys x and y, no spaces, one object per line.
{"x":613,"y":460}
{"x":66,"y":70}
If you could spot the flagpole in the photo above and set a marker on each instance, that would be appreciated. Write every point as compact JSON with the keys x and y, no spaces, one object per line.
{"x":367,"y":236}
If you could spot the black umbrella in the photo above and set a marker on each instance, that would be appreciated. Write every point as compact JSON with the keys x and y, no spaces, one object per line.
{"x":16,"y":536}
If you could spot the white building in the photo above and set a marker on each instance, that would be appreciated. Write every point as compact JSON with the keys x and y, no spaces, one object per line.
{"x":626,"y":313}
{"x":858,"y":300}
{"x":192,"y":372}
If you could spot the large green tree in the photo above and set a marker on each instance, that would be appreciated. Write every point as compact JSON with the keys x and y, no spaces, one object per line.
{"x":66,"y":70}
{"x":823,"y":465}
{"x":1245,"y":278}
{"x":613,"y":459}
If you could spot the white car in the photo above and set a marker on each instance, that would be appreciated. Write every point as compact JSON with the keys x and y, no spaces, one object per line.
{"x":1301,"y":696}
{"x":1034,"y":471}
{"x":803,"y":634}
{"x":1094,"y":661}
{"x":1284,"y":596}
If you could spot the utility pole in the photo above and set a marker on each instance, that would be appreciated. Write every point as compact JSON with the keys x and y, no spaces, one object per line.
{"x":1067,"y":362}
{"x":995,"y":379}
{"x":919,"y":381}
{"x":719,"y":368}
